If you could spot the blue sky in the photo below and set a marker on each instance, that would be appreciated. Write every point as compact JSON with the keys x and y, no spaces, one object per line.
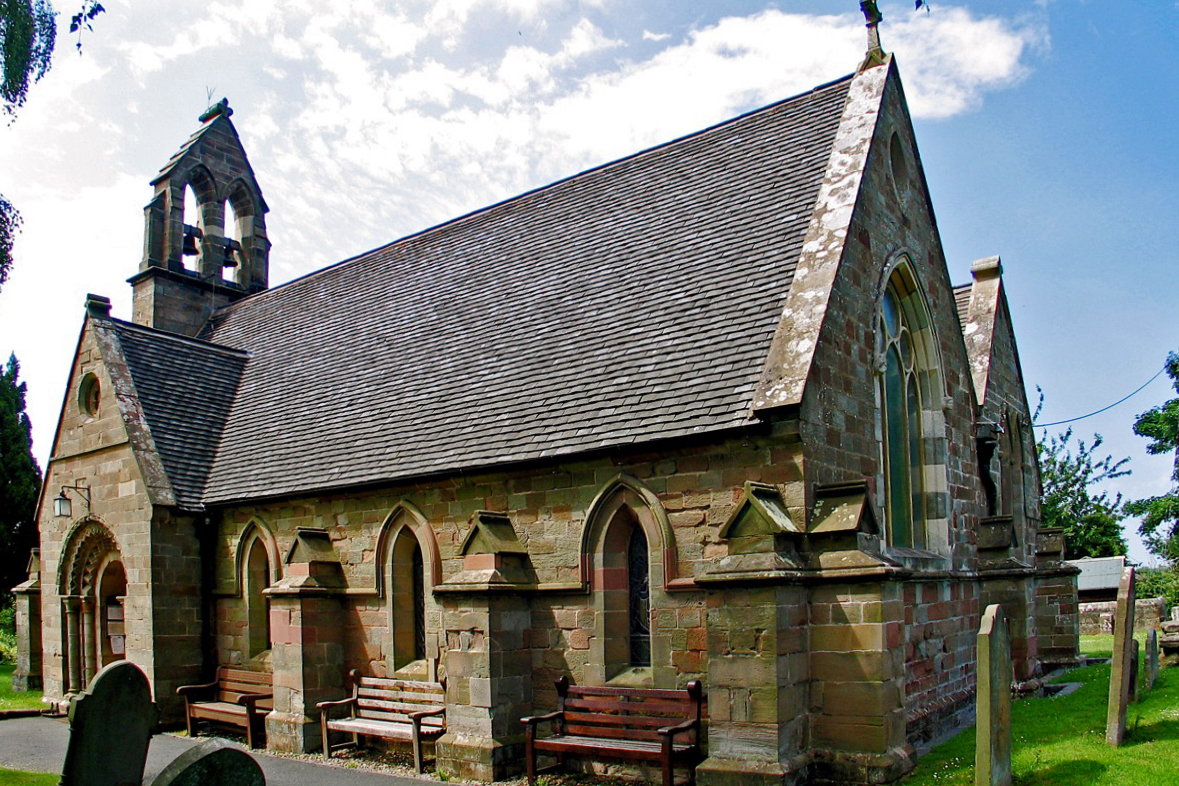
{"x":1047,"y":131}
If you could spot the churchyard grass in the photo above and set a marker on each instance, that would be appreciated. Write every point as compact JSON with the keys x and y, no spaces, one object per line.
{"x":19,"y":778}
{"x":10,"y":699}
{"x":1060,"y":741}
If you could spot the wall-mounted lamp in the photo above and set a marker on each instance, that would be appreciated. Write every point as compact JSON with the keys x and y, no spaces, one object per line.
{"x":61,"y":503}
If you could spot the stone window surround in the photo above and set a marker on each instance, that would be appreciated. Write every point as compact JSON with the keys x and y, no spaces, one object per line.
{"x":406,"y":521}
{"x":622,"y":503}
{"x":936,"y":552}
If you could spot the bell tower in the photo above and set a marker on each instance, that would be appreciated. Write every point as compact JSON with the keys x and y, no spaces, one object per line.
{"x":217,"y":252}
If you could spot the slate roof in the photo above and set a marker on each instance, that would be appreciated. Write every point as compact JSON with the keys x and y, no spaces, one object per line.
{"x":629,"y":303}
{"x":186,"y":389}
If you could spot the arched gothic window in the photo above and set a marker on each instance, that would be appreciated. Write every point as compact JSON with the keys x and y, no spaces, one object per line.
{"x":407,"y":571}
{"x":638,"y":582}
{"x":909,"y":405}
{"x":256,"y":580}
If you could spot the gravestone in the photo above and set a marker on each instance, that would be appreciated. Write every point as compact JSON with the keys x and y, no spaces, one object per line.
{"x":1119,"y":677}
{"x":111,"y":725}
{"x":992,"y":754}
{"x":212,"y":763}
{"x":1152,"y":657}
{"x":1135,"y":671}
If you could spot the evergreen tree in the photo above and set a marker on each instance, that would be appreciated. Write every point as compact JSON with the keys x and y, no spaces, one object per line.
{"x":1160,"y":515}
{"x":20,"y":480}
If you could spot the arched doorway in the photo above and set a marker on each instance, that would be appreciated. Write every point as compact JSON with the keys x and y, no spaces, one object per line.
{"x":93,"y":584}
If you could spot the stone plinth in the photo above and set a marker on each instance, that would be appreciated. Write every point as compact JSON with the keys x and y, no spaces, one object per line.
{"x":307,"y":654}
{"x":27,"y":675}
{"x":758,"y":670}
{"x":488,"y":669}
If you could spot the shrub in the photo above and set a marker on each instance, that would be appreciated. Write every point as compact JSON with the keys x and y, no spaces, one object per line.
{"x":1158,"y":583}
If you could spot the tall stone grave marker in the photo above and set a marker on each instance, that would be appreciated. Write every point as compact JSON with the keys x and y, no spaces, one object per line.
{"x":992,"y":754}
{"x":111,"y":724}
{"x":1152,"y":657}
{"x":212,"y":763}
{"x":1119,"y":677}
{"x":1135,"y":670}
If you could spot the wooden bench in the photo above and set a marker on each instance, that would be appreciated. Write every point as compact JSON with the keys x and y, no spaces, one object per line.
{"x":237,"y":698}
{"x":391,"y":709}
{"x":637,"y":724}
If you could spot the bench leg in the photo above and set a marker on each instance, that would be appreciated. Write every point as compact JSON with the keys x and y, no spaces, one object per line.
{"x":668,"y":770}
{"x":530,"y":755}
{"x":323,"y":727}
{"x":417,"y":750}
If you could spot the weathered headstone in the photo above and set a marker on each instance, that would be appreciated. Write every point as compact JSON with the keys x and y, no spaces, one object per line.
{"x":992,"y":754}
{"x":111,"y":725}
{"x":212,"y":763}
{"x":1135,"y":670}
{"x":1152,"y":658}
{"x":1119,"y":677}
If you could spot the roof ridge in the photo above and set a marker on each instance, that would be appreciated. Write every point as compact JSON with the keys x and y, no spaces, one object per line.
{"x":537,"y":190}
{"x":123,"y":324}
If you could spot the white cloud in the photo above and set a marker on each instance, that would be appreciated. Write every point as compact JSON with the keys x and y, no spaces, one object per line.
{"x":951,"y":59}
{"x":365,"y":122}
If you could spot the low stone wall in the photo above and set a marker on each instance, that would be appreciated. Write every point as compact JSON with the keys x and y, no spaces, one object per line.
{"x":1098,"y":617}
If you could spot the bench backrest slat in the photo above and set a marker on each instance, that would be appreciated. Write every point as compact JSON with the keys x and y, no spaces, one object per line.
{"x":399,"y":717}
{"x":416,"y":697}
{"x":232,"y":684}
{"x":627,"y":713}
{"x":630,"y":693}
{"x":684,"y":709}
{"x":371,"y":705}
{"x":628,"y":721}
{"x":410,"y":685}
{"x":613,"y":732}
{"x":378,"y":698}
{"x":225,"y":673}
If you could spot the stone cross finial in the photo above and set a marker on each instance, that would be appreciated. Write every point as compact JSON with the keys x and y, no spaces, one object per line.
{"x":872,"y":19}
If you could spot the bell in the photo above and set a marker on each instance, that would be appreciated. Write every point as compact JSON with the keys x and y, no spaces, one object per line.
{"x":191,"y":235}
{"x":229,"y":260}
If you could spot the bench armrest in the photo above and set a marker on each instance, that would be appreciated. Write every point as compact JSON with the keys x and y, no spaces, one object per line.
{"x":426,"y":713}
{"x":533,"y":720}
{"x":325,"y":705}
{"x":671,"y":731}
{"x":250,"y":699}
{"x":184,"y":690}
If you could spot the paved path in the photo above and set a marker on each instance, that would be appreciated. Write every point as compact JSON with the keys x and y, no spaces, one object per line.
{"x":39,"y":745}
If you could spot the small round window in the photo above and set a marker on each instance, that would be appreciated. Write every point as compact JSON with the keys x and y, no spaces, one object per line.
{"x":899,"y":164}
{"x":89,"y":395}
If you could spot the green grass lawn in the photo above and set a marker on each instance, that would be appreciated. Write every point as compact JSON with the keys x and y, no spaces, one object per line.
{"x":18,"y":778}
{"x":10,"y":699}
{"x":1061,"y":741}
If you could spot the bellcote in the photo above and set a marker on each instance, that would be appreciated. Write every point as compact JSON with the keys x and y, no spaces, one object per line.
{"x":216,"y":251}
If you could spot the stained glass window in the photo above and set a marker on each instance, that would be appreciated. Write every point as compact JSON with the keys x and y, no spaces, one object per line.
{"x":901,"y":415}
{"x":639,"y":589}
{"x":419,"y":604}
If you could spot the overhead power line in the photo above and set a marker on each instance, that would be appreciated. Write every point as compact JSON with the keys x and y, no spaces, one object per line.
{"x":1111,"y":406}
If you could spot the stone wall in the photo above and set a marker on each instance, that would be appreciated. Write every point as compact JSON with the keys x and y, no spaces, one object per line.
{"x":93,"y":450}
{"x":1097,"y":618}
{"x":1057,"y":618}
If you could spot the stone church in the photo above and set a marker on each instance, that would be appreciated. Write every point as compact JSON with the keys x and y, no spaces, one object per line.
{"x":712,"y":412}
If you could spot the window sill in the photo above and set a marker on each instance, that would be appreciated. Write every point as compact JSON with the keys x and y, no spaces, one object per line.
{"x":917,"y":559}
{"x":632,"y":677}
